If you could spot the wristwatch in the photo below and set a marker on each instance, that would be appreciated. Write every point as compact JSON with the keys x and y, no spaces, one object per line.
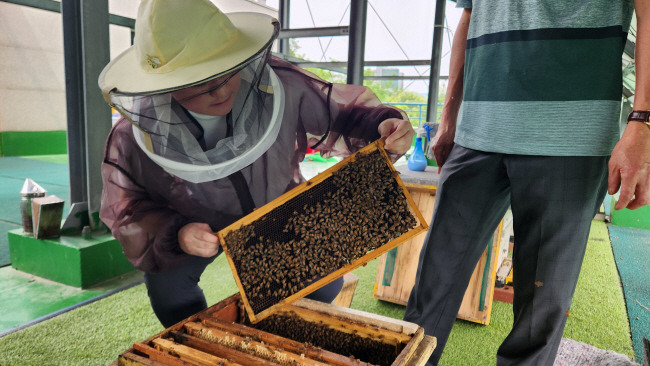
{"x":639,"y":116}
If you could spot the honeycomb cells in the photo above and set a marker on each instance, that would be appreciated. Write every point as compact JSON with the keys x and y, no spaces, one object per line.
{"x":368,"y":350}
{"x":333,"y":223}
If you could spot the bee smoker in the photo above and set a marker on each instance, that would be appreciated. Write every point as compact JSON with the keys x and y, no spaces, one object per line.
{"x":29,"y":191}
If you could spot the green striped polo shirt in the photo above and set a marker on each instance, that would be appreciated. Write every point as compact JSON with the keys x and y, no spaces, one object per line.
{"x":543,"y":77}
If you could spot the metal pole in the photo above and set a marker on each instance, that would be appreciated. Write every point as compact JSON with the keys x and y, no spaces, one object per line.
{"x":96,"y":54}
{"x":70,"y":13}
{"x":283,"y":13}
{"x":86,"y":51}
{"x":436,"y":54}
{"x":357,"y":42}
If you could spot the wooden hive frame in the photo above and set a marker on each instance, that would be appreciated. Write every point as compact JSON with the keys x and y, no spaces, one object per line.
{"x":259,"y":213}
{"x":216,"y":336}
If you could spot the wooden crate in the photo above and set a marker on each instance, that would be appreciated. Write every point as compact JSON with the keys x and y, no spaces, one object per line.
{"x":265,"y":232}
{"x":217,"y":336}
{"x":401,"y":266}
{"x":345,"y":296}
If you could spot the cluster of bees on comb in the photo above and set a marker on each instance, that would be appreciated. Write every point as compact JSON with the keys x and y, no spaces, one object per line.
{"x":359,"y":208}
{"x":368,"y":350}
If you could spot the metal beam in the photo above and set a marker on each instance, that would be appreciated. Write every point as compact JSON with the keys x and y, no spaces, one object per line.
{"x":401,"y":77}
{"x":50,"y":5}
{"x":121,"y":21}
{"x":341,"y":64}
{"x":314,"y":32}
{"x":72,"y":50}
{"x":300,"y":62}
{"x":629,"y":48}
{"x":627,"y":93}
{"x":436,"y":55}
{"x":86,"y":51}
{"x":283,"y":14}
{"x":340,"y":67}
{"x":55,"y":6}
{"x":357,"y":41}
{"x":96,"y":55}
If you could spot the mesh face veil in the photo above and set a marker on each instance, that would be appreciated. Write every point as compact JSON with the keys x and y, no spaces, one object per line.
{"x":166,"y":131}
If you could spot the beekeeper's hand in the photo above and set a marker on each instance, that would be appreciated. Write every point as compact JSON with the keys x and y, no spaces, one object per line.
{"x":398,"y":133}
{"x":198,"y":239}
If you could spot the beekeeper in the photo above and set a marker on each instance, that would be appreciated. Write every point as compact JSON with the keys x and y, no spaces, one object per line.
{"x":214,"y":126}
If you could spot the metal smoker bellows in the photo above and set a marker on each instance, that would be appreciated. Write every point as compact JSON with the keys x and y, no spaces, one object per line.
{"x":320,"y":230}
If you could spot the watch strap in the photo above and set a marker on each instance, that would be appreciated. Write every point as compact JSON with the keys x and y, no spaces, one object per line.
{"x":639,"y":116}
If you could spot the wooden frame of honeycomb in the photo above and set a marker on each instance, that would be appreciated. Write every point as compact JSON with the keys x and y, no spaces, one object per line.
{"x":339,"y":220}
{"x":217,"y":336}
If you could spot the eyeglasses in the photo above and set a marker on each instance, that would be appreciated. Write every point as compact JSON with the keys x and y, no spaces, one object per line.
{"x":214,"y":84}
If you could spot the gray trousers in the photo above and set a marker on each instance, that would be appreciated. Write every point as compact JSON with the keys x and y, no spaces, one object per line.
{"x":553,"y":201}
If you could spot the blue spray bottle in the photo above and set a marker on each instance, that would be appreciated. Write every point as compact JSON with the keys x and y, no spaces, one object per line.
{"x":417,"y":161}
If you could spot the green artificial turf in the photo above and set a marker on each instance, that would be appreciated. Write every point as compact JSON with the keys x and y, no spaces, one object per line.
{"x":97,"y":333}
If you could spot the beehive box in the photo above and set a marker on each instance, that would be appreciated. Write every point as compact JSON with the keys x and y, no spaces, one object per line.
{"x":339,"y":220}
{"x":396,"y":269}
{"x":304,"y":333}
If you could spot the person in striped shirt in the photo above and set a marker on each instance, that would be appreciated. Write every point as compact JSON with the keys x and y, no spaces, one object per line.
{"x":531,"y":122}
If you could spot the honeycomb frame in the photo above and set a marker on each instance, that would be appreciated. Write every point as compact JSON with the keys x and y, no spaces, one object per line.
{"x":278,"y":208}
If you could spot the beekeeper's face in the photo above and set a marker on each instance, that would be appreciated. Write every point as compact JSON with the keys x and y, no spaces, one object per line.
{"x":214,"y":98}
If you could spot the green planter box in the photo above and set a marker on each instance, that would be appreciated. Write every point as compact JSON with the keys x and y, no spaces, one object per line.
{"x":70,"y":260}
{"x":22,"y":143}
{"x":639,"y":218}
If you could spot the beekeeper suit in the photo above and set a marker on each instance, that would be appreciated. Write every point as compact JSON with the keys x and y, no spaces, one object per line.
{"x":214,"y":126}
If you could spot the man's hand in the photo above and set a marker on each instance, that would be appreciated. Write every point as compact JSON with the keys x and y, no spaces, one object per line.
{"x":198,"y":239}
{"x":443,"y":141}
{"x":398,"y":133}
{"x":629,"y":167}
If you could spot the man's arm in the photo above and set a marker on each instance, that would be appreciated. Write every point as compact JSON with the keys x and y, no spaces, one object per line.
{"x":444,"y":139}
{"x":629,"y":166}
